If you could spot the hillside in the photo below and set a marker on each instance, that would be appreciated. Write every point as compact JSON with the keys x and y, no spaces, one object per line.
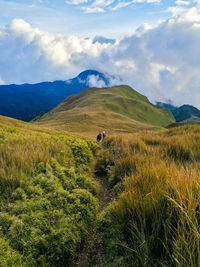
{"x":27,"y":101}
{"x":60,"y":207}
{"x":48,"y":196}
{"x":115,"y":109}
{"x":186,"y":113}
{"x":154,"y":219}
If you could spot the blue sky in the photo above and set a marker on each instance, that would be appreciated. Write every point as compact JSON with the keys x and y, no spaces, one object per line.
{"x":87,"y":18}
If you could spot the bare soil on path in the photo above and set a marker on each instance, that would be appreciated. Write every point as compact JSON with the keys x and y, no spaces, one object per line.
{"x":93,"y":252}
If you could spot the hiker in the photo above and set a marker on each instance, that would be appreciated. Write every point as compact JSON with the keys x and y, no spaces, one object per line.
{"x":104,"y":135}
{"x":99,"y":137}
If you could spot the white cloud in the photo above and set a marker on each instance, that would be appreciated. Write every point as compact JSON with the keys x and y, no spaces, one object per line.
{"x":1,"y":81}
{"x":182,"y":3}
{"x":99,"y":6}
{"x":176,"y":10}
{"x":120,"y":5}
{"x":96,"y":81}
{"x":93,"y":9}
{"x":102,"y":3}
{"x":76,"y":2}
{"x":161,"y":62}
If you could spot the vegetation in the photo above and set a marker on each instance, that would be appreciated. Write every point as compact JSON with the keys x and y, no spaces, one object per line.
{"x":49,"y":199}
{"x":47,"y":195}
{"x":154,"y":219}
{"x":115,"y":109}
{"x":186,"y":113}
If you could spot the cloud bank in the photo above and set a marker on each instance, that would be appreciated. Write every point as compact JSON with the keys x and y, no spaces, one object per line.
{"x":100,"y":6}
{"x":161,"y":62}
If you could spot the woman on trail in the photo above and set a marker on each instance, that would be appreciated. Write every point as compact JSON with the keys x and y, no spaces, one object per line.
{"x":104,"y":135}
{"x":99,"y":137}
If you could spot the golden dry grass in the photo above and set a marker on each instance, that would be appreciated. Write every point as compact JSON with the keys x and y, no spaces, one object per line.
{"x":155,"y":219}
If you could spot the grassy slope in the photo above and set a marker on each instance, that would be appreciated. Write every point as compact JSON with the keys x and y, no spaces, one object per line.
{"x":47,"y":194}
{"x":154,"y":219}
{"x":115,"y":109}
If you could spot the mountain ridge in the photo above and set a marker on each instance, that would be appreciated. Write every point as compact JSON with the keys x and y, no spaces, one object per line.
{"x":184,"y":113}
{"x":115,"y":109}
{"x":27,"y":101}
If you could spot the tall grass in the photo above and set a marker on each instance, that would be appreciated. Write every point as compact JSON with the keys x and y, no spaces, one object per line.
{"x":155,"y":219}
{"x":47,"y":196}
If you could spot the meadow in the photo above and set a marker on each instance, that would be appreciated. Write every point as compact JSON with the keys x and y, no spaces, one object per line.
{"x":49,"y":198}
{"x":47,"y":194}
{"x":154,"y":219}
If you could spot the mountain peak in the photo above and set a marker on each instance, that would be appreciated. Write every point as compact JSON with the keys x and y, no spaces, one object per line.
{"x":94,"y":78}
{"x":86,"y":73}
{"x":114,"y":109}
{"x":27,"y":101}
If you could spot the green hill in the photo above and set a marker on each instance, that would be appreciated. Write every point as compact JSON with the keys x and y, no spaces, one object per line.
{"x":115,"y":109}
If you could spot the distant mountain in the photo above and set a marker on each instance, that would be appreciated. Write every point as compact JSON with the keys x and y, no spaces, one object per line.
{"x":186,"y":113}
{"x":27,"y":101}
{"x":103,"y":40}
{"x":167,"y":106}
{"x":114,"y":109}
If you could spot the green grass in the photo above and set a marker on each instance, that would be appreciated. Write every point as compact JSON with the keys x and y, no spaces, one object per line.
{"x":154,"y":219}
{"x":48,"y":197}
{"x":47,"y":194}
{"x":115,"y":109}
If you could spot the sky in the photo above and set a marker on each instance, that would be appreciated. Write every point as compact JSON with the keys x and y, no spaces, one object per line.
{"x":152,"y":45}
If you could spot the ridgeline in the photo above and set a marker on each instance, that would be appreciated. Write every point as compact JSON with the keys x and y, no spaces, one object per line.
{"x":118,"y":109}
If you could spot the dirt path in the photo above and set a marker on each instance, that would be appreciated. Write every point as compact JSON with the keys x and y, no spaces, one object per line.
{"x":93,"y":251}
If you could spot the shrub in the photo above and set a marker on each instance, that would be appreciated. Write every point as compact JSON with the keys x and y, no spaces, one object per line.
{"x":47,"y":199}
{"x":104,"y":161}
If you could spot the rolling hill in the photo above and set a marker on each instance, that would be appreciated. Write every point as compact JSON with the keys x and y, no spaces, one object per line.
{"x":26,"y":101}
{"x":114,"y":109}
{"x":183,"y":114}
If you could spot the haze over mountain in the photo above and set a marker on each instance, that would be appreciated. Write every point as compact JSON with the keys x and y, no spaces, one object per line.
{"x":115,"y":109}
{"x":26,"y":101}
{"x":167,"y":105}
{"x":184,"y":113}
{"x":103,"y":40}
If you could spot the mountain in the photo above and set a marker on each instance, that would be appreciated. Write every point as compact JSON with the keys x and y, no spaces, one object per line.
{"x":186,"y":113}
{"x":167,"y":106}
{"x":115,"y":109}
{"x":103,"y":40}
{"x":27,"y":101}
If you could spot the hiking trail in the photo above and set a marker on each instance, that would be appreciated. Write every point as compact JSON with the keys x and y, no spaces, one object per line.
{"x":93,"y":251}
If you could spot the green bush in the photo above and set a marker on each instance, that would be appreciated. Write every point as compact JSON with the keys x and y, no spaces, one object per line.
{"x":48,"y":199}
{"x":104,"y":162}
{"x":9,"y":257}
